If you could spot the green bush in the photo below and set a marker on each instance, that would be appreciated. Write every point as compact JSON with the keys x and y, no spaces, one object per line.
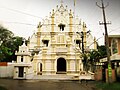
{"x":107,"y":86}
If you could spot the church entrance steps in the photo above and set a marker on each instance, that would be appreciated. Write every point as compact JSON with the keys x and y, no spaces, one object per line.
{"x":54,"y":77}
{"x":60,"y":72}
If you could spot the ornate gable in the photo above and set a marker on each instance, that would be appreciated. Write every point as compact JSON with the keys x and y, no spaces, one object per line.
{"x":61,"y":15}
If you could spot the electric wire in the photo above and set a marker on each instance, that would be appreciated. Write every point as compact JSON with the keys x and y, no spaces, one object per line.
{"x":21,"y":23}
{"x":21,"y":12}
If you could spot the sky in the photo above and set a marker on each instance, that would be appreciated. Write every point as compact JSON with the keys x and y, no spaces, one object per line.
{"x":22,"y":16}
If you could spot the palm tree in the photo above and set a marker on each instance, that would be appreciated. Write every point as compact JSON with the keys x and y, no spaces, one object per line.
{"x":94,"y":58}
{"x":91,"y":58}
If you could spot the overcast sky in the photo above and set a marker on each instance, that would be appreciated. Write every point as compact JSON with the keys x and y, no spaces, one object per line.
{"x":16,"y":15}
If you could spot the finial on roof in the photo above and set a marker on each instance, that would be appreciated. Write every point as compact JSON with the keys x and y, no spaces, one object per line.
{"x":39,"y":25}
{"x":24,"y":43}
{"x":61,"y":1}
{"x":66,"y":7}
{"x":84,"y":25}
{"x":80,"y":22}
{"x":52,"y":11}
{"x":70,"y":11}
{"x":57,"y":6}
{"x":94,"y":38}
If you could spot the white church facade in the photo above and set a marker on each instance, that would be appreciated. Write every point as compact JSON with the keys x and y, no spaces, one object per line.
{"x":55,"y":48}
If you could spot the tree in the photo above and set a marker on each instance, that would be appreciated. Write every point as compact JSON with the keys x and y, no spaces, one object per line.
{"x":90,"y":58}
{"x":102,"y":51}
{"x":12,"y":45}
{"x":5,"y":34}
{"x":9,"y":44}
{"x":96,"y":55}
{"x":94,"y":58}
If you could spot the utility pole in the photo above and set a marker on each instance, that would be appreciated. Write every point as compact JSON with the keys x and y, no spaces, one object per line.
{"x":109,"y":75}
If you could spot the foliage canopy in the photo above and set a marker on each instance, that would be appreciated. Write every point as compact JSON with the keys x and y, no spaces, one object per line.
{"x":8,"y":45}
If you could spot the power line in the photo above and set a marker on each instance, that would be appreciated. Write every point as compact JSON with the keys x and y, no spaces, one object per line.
{"x":103,"y":34}
{"x":21,"y":23}
{"x":21,"y":12}
{"x":96,"y":41}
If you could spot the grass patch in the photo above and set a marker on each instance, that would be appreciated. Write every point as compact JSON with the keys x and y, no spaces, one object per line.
{"x":106,"y":86}
{"x":2,"y":88}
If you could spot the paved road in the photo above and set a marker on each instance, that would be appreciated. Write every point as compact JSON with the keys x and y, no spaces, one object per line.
{"x":44,"y":85}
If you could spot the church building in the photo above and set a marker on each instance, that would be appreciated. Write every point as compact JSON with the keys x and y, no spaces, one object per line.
{"x":55,"y":48}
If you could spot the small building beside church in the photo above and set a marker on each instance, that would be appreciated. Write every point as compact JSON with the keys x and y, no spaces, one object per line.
{"x":55,"y":48}
{"x":114,"y":45}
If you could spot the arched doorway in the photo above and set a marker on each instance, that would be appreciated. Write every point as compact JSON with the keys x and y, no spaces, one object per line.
{"x":61,"y":65}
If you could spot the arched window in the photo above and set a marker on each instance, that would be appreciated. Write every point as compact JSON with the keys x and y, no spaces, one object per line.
{"x":62,"y":26}
{"x":114,"y":46}
{"x":45,"y":42}
{"x":21,"y":58}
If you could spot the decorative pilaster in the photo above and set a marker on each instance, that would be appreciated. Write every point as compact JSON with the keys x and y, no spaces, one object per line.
{"x":68,"y":62}
{"x":84,"y":34}
{"x":38,"y":34}
{"x":70,"y":25}
{"x":52,"y":30}
{"x":52,"y":66}
{"x":70,"y":21}
{"x":52,"y":20}
{"x":35,"y":64}
{"x":44,"y":51}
